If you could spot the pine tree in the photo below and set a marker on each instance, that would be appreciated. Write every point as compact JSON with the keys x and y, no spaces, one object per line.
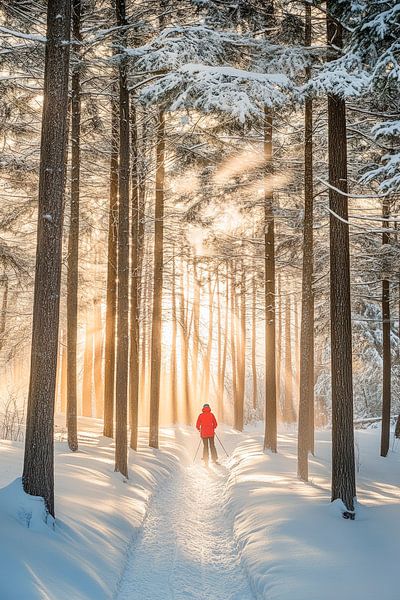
{"x":38,"y":472}
{"x":343,"y":465}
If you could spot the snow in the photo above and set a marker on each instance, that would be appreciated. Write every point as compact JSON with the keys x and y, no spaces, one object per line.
{"x":186,"y":550}
{"x":97,"y":513}
{"x":245,"y":529}
{"x":294,"y":543}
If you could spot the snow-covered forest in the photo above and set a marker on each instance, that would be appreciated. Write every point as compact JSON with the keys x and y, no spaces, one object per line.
{"x":200,"y":205}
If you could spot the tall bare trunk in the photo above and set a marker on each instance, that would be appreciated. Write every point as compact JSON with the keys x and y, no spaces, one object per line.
{"x":156,"y":326}
{"x":289,"y":415}
{"x":38,"y":472}
{"x":4,"y":309}
{"x":207,"y":357}
{"x":73,"y":238}
{"x":233,"y":338}
{"x":306,"y":398}
{"x":386,"y":346}
{"x":185,"y":390}
{"x":343,"y":466}
{"x":221,"y":374}
{"x":87,"y":375}
{"x":63,"y":376}
{"x":254,"y":341}
{"x":270,"y":439}
{"x":173,"y":369}
{"x":241,"y":354}
{"x":121,"y":379}
{"x":98,"y":358}
{"x":111,"y":298}
{"x":135,"y":289}
{"x":196,"y":331}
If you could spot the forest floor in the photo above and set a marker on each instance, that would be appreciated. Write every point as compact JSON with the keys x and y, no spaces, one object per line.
{"x":178,"y":531}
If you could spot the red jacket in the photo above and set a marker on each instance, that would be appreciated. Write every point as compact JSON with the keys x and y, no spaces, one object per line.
{"x":206,"y":423}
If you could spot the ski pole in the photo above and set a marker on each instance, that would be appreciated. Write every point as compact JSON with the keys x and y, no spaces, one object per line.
{"x":221,"y":444}
{"x":195,"y":456}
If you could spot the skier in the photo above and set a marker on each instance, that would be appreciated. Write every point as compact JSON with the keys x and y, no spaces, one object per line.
{"x":206,"y":424}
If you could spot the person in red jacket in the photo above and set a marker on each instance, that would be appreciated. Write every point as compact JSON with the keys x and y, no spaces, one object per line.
{"x":207,"y":424}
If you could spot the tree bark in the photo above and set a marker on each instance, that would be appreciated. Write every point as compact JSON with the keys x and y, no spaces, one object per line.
{"x":184,"y":349}
{"x":196,"y":332}
{"x":87,"y":375}
{"x":241,"y":354}
{"x":156,"y":327}
{"x":135,"y":289}
{"x":121,"y":379}
{"x":254,"y":341}
{"x":38,"y":472}
{"x":289,"y":415}
{"x":386,"y":346}
{"x":270,"y":439}
{"x":73,"y":238}
{"x":233,"y":339}
{"x":343,"y":466}
{"x":173,"y":369}
{"x":98,"y":358}
{"x":4,"y":308}
{"x":111,"y":297}
{"x":221,"y":375}
{"x":306,"y":398}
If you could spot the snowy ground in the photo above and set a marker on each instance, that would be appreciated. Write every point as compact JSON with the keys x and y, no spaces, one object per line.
{"x":175,"y":531}
{"x":294,"y":543}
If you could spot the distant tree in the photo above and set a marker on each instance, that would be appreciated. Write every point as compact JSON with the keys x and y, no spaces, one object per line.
{"x":38,"y":472}
{"x":73,"y":239}
{"x":121,"y":380}
{"x":111,"y":297}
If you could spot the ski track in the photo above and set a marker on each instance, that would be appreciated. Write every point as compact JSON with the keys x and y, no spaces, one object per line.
{"x":186,"y":550}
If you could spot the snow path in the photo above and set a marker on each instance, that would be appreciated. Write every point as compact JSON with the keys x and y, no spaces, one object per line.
{"x":185,"y":550}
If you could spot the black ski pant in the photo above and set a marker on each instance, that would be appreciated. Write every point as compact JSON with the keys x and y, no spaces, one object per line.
{"x":208,"y":442}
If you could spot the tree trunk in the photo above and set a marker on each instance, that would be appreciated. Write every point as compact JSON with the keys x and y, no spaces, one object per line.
{"x":270,"y":439}
{"x":111,"y":298}
{"x":279,"y":343}
{"x":343,"y":467}
{"x":73,"y":238}
{"x":63,"y":377}
{"x":386,"y":346}
{"x":184,"y":349}
{"x":98,"y":358}
{"x":233,"y":340}
{"x":173,"y":370}
{"x":87,"y":376}
{"x":306,"y":398}
{"x":196,"y":332}
{"x":121,"y":379}
{"x":254,"y":341}
{"x":156,"y":327}
{"x":241,"y":352}
{"x":38,"y":472}
{"x":207,"y":358}
{"x":289,"y":415}
{"x":4,"y":308}
{"x":221,"y":375}
{"x":135,"y":290}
